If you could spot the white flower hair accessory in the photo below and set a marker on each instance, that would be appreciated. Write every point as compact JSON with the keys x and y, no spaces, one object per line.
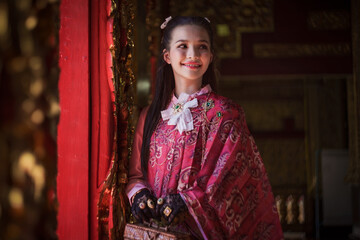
{"x":163,"y":25}
{"x":179,"y":113}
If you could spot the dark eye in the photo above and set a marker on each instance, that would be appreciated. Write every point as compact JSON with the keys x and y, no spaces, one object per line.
{"x":203,"y":46}
{"x":182,"y":46}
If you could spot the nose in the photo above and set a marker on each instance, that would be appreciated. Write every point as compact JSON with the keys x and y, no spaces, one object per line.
{"x":193,"y":52}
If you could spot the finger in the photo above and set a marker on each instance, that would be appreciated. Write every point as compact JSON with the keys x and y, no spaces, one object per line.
{"x":159,"y":205}
{"x":140,"y":215}
{"x":151,"y":203}
{"x":153,"y":213}
{"x":147,"y":214}
{"x":161,"y":211}
{"x":134,"y":213}
{"x":157,"y":210}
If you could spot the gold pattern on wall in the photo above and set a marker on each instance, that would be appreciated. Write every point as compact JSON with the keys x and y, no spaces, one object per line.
{"x":274,"y":50}
{"x":231,"y":19}
{"x":113,"y":206}
{"x":329,"y":20}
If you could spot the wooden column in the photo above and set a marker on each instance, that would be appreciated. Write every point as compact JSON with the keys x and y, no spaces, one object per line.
{"x":312,"y":147}
{"x":353,"y":176}
{"x":354,"y":98}
{"x":73,"y":129}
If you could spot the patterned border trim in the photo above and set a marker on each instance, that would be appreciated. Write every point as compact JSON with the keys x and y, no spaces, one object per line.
{"x":279,"y":50}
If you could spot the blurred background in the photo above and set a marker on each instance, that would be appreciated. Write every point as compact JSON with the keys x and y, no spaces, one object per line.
{"x":294,"y":66}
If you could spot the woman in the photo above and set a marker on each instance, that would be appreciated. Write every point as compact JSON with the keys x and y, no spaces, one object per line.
{"x":193,"y":156}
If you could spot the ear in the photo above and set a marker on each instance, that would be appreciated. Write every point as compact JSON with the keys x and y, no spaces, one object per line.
{"x":166,"y":56}
{"x":211,"y":58}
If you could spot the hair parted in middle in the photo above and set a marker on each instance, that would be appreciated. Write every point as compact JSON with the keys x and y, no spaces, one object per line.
{"x":165,"y":81}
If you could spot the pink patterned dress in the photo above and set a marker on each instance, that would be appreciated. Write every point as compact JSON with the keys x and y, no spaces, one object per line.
{"x":215,"y":167}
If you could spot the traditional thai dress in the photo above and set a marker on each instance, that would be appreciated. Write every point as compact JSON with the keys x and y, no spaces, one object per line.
{"x":203,"y":150}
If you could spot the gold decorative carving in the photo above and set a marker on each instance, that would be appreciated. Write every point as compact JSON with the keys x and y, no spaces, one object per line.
{"x":290,"y":218}
{"x":301,"y":206}
{"x":293,"y":208}
{"x":113,"y":205}
{"x":231,"y":19}
{"x":329,"y":20}
{"x":279,"y":50}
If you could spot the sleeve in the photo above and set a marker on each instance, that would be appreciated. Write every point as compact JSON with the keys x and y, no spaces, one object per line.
{"x":136,"y":178}
{"x":231,"y":196}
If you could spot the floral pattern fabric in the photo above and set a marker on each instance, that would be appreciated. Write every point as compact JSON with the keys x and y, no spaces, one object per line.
{"x":217,"y":169}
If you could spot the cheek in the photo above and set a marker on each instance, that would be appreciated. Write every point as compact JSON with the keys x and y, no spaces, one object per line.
{"x":206,"y":57}
{"x":177,"y":56}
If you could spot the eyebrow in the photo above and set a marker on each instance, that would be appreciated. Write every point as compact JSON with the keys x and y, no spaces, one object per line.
{"x":181,"y":40}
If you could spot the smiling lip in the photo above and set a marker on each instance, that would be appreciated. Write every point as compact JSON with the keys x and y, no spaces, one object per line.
{"x":192,"y":65}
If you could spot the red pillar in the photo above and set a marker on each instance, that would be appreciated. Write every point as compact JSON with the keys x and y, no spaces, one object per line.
{"x":73,"y":129}
{"x":86,"y":127}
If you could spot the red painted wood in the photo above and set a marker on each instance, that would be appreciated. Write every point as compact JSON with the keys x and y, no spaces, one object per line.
{"x":73,"y":128}
{"x":102,"y":121}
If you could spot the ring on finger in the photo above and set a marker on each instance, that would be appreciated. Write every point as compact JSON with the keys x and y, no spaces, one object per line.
{"x":142,"y":206}
{"x":160,"y":201}
{"x":150,"y":203}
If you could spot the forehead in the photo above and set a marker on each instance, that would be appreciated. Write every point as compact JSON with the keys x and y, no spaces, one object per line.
{"x":189,"y":33}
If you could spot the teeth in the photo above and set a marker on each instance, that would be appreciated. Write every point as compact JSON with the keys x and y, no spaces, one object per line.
{"x":191,"y":65}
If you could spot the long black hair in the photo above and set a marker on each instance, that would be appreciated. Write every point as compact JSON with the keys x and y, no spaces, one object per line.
{"x":165,"y":82}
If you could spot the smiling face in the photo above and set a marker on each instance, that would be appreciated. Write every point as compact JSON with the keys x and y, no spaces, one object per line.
{"x":189,"y":54}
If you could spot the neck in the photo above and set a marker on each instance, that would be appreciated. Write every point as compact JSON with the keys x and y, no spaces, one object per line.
{"x":188,"y":88}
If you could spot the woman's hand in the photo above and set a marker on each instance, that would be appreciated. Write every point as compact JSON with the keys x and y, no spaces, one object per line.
{"x":170,"y":207}
{"x":144,"y":206}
